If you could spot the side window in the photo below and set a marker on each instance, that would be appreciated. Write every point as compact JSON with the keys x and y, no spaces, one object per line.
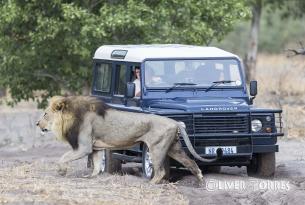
{"x":120,"y":81}
{"x":132,"y":73}
{"x":103,"y":77}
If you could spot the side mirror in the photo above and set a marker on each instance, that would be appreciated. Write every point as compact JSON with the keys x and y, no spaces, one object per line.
{"x":130,"y":90}
{"x":253,"y":90}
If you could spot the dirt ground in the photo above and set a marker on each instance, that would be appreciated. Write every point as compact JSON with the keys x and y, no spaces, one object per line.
{"x":30,"y":177}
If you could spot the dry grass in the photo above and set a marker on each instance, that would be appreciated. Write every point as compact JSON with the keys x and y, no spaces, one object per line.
{"x":38,"y":183}
{"x":281,"y":82}
{"x":281,"y":75}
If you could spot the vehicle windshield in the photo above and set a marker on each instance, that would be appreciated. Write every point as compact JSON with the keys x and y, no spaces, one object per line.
{"x":191,"y":73}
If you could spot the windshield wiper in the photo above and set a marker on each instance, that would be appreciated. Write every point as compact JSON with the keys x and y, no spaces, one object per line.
{"x":215,"y":83}
{"x":177,"y":85}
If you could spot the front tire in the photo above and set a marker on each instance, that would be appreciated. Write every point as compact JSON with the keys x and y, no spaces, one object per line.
{"x":147,"y":166}
{"x":262,"y":165}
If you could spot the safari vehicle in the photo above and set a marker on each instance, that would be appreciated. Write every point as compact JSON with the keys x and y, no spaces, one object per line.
{"x":203,"y":87}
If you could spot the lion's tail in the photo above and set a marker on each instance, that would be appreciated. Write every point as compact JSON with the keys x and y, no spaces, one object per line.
{"x":191,"y":148}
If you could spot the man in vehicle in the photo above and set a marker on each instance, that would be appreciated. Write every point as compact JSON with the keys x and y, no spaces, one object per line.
{"x":137,"y":81}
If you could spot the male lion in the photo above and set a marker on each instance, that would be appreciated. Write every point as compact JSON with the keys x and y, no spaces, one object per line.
{"x":89,"y":125}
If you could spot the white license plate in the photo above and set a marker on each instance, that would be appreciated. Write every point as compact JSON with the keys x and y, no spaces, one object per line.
{"x":226,"y":150}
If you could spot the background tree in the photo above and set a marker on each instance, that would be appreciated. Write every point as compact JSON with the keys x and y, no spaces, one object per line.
{"x":48,"y":45}
{"x":251,"y":56}
{"x":289,"y":9}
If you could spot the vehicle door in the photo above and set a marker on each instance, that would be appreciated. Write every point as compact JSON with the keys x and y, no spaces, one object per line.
{"x":124,"y":72}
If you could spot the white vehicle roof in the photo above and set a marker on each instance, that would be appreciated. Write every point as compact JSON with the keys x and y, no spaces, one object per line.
{"x":138,"y":53}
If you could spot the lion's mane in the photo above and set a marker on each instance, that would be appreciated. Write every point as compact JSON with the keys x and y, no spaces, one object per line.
{"x":69,"y":115}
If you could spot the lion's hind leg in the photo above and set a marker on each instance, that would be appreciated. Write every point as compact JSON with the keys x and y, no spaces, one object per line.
{"x":157,"y":158}
{"x":158,"y":150}
{"x":177,"y":153}
{"x":159,"y":175}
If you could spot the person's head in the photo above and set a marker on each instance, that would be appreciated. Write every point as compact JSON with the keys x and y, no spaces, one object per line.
{"x":137,"y":72}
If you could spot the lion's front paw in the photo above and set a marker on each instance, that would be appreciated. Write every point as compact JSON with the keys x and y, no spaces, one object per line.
{"x":62,"y":170}
{"x":200,"y":178}
{"x":86,"y":176}
{"x":89,"y":176}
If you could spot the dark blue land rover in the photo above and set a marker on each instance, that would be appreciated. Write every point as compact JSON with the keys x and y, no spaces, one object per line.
{"x":203,"y":87}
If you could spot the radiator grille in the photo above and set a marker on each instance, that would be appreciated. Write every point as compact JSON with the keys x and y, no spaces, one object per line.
{"x":221,"y":124}
{"x":215,"y":123}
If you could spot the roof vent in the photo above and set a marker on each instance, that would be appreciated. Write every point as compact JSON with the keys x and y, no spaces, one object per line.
{"x":118,"y":54}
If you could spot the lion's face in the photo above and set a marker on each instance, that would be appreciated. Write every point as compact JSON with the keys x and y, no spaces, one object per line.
{"x":47,"y":120}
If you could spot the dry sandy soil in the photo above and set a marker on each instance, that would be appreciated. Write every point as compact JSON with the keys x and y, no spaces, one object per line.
{"x":30,"y":177}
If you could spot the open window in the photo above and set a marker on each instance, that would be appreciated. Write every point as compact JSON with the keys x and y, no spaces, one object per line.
{"x":132,"y":72}
{"x":135,"y":77}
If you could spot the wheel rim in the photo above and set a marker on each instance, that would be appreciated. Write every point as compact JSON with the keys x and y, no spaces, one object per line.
{"x":103,"y":160}
{"x":148,"y":167}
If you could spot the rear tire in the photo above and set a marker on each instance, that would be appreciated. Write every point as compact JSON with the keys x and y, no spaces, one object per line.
{"x":147,"y":165}
{"x":262,"y":165}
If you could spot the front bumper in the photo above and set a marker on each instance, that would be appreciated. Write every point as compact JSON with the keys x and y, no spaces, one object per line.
{"x":242,"y":157}
{"x":246,"y":146}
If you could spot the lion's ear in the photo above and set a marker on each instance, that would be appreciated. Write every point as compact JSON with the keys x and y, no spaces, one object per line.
{"x":58,"y":103}
{"x":60,"y":106}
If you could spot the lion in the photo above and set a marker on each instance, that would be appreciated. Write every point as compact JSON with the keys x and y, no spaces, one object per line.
{"x":89,"y":125}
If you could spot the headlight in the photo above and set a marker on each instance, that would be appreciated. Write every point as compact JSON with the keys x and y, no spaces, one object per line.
{"x":256,"y":125}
